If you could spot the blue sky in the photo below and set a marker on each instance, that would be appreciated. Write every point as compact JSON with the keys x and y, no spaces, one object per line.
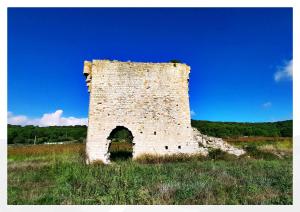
{"x":241,"y":59}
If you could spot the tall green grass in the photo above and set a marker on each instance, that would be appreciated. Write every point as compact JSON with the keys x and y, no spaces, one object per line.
{"x":62,"y":177}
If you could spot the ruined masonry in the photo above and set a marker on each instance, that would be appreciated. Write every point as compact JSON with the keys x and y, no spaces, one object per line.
{"x":150,"y":100}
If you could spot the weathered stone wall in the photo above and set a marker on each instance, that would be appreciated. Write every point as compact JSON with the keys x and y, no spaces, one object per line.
{"x":150,"y":99}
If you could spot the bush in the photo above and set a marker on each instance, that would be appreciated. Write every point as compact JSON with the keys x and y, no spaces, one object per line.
{"x":217,"y":154}
{"x":152,"y":158}
{"x":175,"y":61}
{"x":254,"y":152}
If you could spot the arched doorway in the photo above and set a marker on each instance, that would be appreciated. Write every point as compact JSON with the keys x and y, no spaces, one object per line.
{"x":121,"y":144}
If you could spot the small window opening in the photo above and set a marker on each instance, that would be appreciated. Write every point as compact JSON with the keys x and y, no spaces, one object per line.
{"x":179,"y":147}
{"x":154,"y":133}
{"x":166,"y":147}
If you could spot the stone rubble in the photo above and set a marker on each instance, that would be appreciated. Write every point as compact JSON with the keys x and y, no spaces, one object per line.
{"x":208,"y":142}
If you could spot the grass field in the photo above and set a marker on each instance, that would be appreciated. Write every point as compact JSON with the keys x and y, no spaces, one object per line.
{"x":57,"y":174}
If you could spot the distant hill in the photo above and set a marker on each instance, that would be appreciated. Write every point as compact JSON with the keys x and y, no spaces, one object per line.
{"x":236,"y":129}
{"x":30,"y":134}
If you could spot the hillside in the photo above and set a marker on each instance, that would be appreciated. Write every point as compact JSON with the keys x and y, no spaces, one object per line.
{"x":237,"y":129}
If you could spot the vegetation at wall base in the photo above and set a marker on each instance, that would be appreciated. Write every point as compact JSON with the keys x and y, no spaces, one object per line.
{"x":57,"y":174}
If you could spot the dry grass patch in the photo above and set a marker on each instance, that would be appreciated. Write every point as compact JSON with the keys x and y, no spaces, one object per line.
{"x":43,"y":149}
{"x":180,"y":157}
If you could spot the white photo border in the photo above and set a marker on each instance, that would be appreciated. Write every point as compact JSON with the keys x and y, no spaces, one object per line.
{"x":5,"y":4}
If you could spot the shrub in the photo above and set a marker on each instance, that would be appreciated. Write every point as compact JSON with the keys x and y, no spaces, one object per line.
{"x":217,"y":154}
{"x":97,"y":163}
{"x":175,"y":61}
{"x":254,"y":152}
{"x":152,"y":158}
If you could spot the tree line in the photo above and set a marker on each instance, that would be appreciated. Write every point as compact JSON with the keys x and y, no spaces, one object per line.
{"x":238,"y":129}
{"x":38,"y":135}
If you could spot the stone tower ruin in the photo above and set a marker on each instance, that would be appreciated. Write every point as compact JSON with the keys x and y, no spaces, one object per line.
{"x":149,"y":99}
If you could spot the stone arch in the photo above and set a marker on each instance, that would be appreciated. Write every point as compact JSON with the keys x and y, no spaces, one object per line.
{"x":120,"y":133}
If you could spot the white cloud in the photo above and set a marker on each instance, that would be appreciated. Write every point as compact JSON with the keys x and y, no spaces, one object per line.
{"x":17,"y":120}
{"x":193,"y":113}
{"x":284,"y":72}
{"x":267,"y":104}
{"x":48,"y":119}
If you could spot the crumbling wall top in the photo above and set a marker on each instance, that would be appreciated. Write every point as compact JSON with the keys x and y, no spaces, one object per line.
{"x":87,"y":70}
{"x":95,"y":62}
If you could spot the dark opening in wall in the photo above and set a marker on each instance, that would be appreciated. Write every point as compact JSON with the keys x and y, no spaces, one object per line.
{"x":121,"y":143}
{"x":179,"y":147}
{"x":154,"y":133}
{"x":166,"y":147}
